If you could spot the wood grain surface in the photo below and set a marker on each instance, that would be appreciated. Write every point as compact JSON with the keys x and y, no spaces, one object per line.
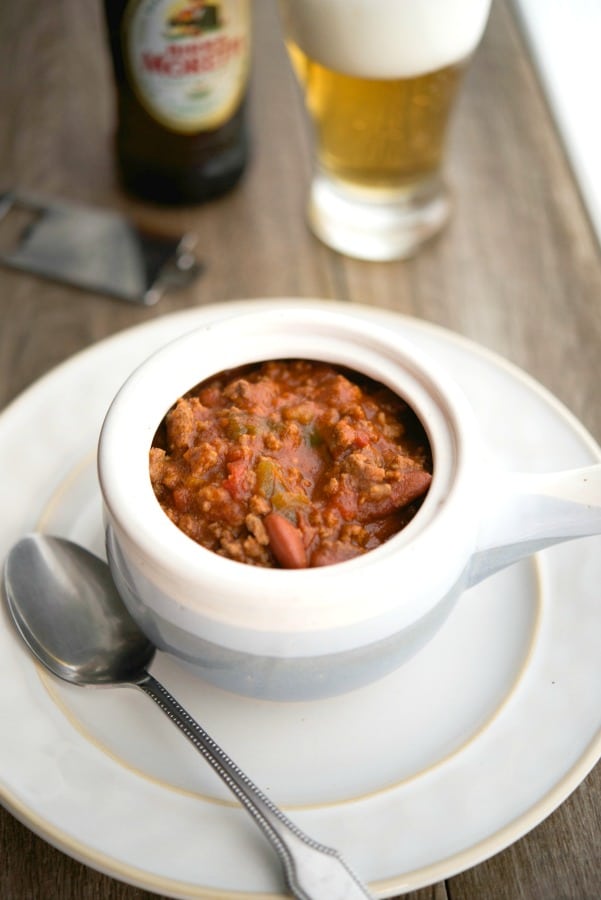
{"x":517,"y":270}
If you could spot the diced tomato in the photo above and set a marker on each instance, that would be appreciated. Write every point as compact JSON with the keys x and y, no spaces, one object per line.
{"x":237,"y":482}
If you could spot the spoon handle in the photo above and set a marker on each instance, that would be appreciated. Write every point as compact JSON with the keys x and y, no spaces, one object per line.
{"x":312,"y":871}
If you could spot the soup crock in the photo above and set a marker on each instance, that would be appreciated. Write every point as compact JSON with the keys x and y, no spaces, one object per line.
{"x":310,"y":633}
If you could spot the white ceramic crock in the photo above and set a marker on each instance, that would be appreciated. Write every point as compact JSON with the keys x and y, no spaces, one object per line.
{"x":300,"y":634}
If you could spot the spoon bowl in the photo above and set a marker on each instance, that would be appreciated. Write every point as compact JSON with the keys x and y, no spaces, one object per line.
{"x":51,"y":583}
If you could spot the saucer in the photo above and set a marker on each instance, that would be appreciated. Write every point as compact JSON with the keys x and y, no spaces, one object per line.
{"x":403,"y":776}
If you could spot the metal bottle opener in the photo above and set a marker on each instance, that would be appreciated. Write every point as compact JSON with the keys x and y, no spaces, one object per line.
{"x":98,"y":250}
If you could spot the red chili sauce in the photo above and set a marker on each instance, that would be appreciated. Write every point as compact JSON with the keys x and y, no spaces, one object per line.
{"x":290,"y":463}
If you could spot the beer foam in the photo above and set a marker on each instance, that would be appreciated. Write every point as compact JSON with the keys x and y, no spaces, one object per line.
{"x":385,"y":38}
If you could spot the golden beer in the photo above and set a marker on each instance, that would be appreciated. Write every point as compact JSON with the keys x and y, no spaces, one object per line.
{"x":378,"y":133}
{"x":380,"y":79}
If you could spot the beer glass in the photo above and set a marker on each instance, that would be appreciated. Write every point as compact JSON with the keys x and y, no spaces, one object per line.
{"x":380,"y":79}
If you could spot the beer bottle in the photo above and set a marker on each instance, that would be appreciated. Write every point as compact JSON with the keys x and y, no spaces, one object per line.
{"x":181,"y":71}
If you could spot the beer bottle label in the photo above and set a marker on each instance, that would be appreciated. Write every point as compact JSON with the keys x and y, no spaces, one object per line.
{"x":188,"y":60}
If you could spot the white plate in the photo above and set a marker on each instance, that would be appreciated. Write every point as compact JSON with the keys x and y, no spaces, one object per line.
{"x":427,"y":772}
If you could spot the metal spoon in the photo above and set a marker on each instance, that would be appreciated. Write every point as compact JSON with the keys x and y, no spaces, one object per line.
{"x":67,"y":609}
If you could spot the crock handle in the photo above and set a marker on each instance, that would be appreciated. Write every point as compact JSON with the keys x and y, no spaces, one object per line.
{"x":528,"y":512}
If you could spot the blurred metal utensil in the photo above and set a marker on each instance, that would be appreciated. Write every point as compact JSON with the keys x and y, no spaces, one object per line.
{"x":96,"y":249}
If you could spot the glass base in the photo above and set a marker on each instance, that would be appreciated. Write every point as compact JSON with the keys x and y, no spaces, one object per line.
{"x":377,"y":225}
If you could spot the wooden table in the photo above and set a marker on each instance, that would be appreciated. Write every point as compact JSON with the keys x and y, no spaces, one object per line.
{"x":517,"y":270}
